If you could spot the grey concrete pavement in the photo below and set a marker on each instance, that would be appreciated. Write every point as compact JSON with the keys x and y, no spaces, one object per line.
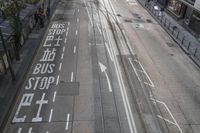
{"x":174,"y":76}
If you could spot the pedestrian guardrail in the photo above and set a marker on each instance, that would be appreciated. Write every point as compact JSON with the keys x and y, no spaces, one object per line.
{"x":189,"y":46}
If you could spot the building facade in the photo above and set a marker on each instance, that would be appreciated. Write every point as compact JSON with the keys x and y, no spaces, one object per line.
{"x":187,"y":12}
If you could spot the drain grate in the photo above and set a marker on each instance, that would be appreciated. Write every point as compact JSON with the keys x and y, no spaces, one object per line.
{"x":149,"y":20}
{"x":170,"y":44}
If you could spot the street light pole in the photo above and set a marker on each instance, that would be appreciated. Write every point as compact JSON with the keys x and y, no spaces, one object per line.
{"x":5,"y":50}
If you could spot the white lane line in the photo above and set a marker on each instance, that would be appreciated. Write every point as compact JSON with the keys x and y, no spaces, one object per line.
{"x":63,"y":48}
{"x":76,"y":32}
{"x":72,"y":76}
{"x":54,"y":96}
{"x":67,"y":122}
{"x":68,"y":23}
{"x":134,"y":69}
{"x":65,"y":40}
{"x":74,"y":49}
{"x":57,"y":80}
{"x":78,"y":10}
{"x":125,"y":99}
{"x":19,"y":130}
{"x":165,"y":105}
{"x":67,"y":28}
{"x":50,"y":116}
{"x":77,"y":20}
{"x":62,"y":56}
{"x":88,"y":13}
{"x":66,"y":34}
{"x":60,"y":66}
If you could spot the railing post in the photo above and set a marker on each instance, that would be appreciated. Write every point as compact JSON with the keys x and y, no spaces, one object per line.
{"x":177,"y":34}
{"x":195,"y":52}
{"x":189,"y":45}
{"x":183,"y":39}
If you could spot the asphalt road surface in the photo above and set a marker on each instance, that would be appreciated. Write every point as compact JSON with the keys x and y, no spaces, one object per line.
{"x":89,"y":75}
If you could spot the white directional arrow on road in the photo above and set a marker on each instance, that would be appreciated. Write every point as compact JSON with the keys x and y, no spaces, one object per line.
{"x":103,"y":69}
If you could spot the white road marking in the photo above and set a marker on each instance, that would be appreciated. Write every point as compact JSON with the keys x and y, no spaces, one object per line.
{"x":67,"y":122}
{"x":19,"y":130}
{"x":76,"y":32}
{"x":74,"y":49}
{"x":125,"y":99}
{"x":103,"y":69}
{"x":60,"y":66}
{"x":65,"y":40}
{"x":57,"y":80}
{"x":166,"y":120}
{"x":88,"y":13}
{"x":165,"y":105}
{"x":134,"y":69}
{"x":67,"y":28}
{"x":62,"y":56}
{"x":50,"y":116}
{"x":151,"y":83}
{"x":77,"y":20}
{"x":66,"y":33}
{"x":99,"y":29}
{"x":54,"y":96}
{"x":68,"y":23}
{"x":72,"y":76}
{"x":63,"y":48}
{"x":78,"y":10}
{"x":30,"y":130}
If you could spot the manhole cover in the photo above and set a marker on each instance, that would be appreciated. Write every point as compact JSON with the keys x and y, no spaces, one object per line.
{"x":149,"y":20}
{"x":128,"y":20}
{"x":170,"y":44}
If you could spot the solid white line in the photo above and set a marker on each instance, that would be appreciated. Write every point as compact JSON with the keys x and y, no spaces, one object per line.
{"x":54,"y":96}
{"x":50,"y":116}
{"x":88,"y":13}
{"x":134,"y":69}
{"x":169,"y":113}
{"x":57,"y":80}
{"x":77,"y":19}
{"x":125,"y":99}
{"x":65,"y":39}
{"x":67,"y":122}
{"x":108,"y":80}
{"x":19,"y":130}
{"x":62,"y":56}
{"x":166,"y":120}
{"x":152,"y":84}
{"x":76,"y":32}
{"x":72,"y":76}
{"x":74,"y":49}
{"x":60,"y":66}
{"x":63,"y":48}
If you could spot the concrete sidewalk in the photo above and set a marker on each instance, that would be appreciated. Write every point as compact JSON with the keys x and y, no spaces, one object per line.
{"x":181,"y":36}
{"x":9,"y":88}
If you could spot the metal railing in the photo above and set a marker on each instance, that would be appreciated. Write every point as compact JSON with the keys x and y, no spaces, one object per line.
{"x":190,"y":46}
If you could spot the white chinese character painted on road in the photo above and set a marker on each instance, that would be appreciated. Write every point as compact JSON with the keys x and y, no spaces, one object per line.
{"x":49,"y":55}
{"x":25,"y":101}
{"x":40,"y":103}
{"x":58,"y":41}
{"x":48,"y":38}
